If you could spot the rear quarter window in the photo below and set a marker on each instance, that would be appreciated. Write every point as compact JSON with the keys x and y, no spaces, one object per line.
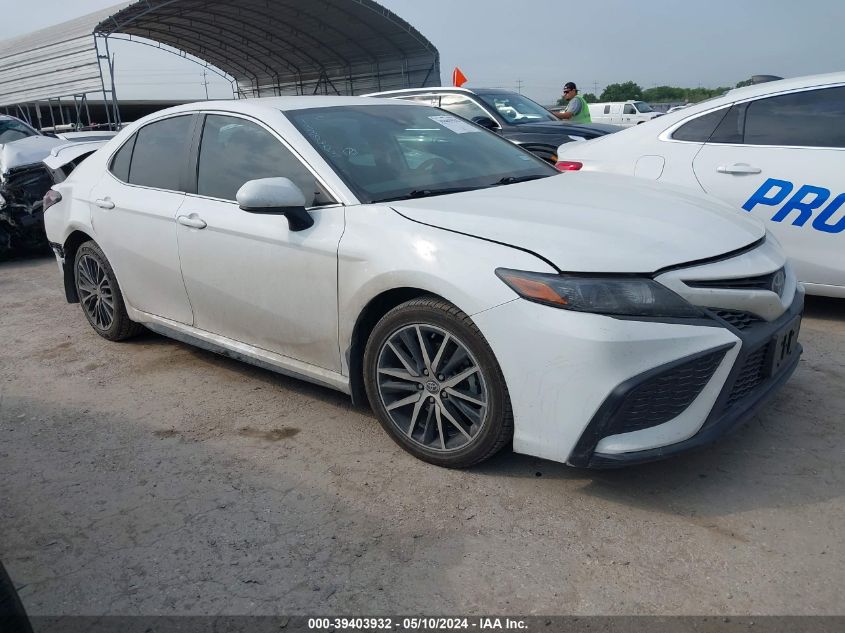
{"x":120,"y":161}
{"x":701,"y":128}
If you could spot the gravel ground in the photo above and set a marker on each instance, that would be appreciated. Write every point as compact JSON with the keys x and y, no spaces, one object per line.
{"x":149,"y":477}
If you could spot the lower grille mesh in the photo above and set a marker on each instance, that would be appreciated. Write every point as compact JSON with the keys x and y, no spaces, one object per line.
{"x":666,"y":395}
{"x":753,"y":373}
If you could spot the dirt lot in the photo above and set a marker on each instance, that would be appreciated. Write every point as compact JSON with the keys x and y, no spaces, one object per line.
{"x":151,"y":478}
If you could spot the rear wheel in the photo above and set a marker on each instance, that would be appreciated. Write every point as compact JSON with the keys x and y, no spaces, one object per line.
{"x":100,"y":296}
{"x":435,"y":385}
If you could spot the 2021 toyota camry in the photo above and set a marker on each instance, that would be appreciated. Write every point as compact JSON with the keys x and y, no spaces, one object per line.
{"x":473,"y":295}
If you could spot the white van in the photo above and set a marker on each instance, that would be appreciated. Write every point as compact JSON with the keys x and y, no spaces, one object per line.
{"x":624,"y":113}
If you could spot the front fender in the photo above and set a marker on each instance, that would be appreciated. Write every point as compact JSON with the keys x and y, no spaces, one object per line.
{"x":382,"y":251}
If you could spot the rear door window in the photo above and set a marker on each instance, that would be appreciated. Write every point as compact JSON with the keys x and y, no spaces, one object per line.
{"x":161,"y":153}
{"x":812,"y":118}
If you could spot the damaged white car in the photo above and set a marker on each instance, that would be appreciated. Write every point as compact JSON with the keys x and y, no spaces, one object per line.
{"x":31,"y":163}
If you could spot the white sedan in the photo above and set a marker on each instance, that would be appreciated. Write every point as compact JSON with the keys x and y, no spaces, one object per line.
{"x":473,"y":295}
{"x":774,"y":150}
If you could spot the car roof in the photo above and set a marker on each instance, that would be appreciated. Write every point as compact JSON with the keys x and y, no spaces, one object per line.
{"x":750,"y":92}
{"x":263,"y":105}
{"x":806,"y":81}
{"x":9,"y":117}
{"x":429,"y":89}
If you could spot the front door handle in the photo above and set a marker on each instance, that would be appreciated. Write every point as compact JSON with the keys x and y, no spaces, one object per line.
{"x":104,"y":203}
{"x":193,"y":221}
{"x":738,"y":168}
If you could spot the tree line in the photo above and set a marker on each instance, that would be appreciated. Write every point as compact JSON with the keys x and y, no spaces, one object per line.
{"x":631,"y":91}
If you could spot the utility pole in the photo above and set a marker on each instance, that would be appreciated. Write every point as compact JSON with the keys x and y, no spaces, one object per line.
{"x":519,"y":84}
{"x":205,"y":82}
{"x":596,"y":89}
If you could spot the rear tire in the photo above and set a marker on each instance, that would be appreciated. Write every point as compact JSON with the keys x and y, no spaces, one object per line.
{"x":100,"y":296}
{"x":436,"y":386}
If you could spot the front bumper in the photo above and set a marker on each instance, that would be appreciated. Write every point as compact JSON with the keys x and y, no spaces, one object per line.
{"x":748,"y":387}
{"x":567,"y":375}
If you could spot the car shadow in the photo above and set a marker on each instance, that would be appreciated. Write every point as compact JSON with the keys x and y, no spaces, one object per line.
{"x":783,"y":456}
{"x":192,"y":355}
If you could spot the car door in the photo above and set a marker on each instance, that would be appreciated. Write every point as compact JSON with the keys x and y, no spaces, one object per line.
{"x":780,"y":158}
{"x":248,"y":276}
{"x":133,"y":212}
{"x":616,"y":113}
{"x":629,"y":114}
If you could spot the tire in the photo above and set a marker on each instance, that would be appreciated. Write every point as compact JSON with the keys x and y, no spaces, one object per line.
{"x":99,"y":294}
{"x":13,"y":617}
{"x":428,"y":348}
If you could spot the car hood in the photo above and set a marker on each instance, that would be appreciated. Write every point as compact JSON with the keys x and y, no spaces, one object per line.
{"x":26,"y":151}
{"x":593,"y":222}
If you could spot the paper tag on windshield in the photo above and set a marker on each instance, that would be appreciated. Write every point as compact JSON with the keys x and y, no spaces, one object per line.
{"x":454,"y":123}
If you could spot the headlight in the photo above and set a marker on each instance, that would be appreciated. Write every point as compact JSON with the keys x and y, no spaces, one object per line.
{"x":619,"y":296}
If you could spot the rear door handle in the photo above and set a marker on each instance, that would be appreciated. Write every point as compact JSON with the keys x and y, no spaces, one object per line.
{"x":104,"y":203}
{"x":193,"y":221}
{"x":738,"y":168}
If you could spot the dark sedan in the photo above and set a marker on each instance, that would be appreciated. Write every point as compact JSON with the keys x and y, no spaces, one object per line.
{"x":514,"y":116}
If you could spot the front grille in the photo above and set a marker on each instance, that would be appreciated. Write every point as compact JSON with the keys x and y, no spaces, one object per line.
{"x":752,"y":374}
{"x":737,"y":318}
{"x":665,"y":396}
{"x":772,"y":282}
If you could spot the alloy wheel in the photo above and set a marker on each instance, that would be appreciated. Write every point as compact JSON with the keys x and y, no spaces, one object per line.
{"x":432,"y":387}
{"x":95,"y":292}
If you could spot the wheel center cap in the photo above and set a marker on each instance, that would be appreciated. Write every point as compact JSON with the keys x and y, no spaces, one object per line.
{"x":432,"y":386}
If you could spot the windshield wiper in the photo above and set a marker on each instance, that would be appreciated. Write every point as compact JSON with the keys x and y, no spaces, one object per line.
{"x":509,"y":180}
{"x":425,"y":193}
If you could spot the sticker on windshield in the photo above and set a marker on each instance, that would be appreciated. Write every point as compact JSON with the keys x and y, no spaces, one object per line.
{"x":454,"y":123}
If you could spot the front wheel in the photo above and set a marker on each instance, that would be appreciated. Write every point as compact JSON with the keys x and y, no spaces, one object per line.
{"x":436,"y":386}
{"x":100,"y":296}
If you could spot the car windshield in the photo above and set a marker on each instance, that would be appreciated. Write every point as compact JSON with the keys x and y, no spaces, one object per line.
{"x":393,"y":152}
{"x":516,"y":109}
{"x":14,"y":130}
{"x":642,"y":106}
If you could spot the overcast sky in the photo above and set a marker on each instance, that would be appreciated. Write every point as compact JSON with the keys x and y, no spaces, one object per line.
{"x":544,"y":43}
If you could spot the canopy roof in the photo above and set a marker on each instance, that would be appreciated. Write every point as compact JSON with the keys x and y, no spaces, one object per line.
{"x":58,"y":61}
{"x":267,"y":46}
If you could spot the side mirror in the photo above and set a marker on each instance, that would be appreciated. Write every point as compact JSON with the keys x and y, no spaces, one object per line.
{"x":276,"y":196}
{"x":485,"y":121}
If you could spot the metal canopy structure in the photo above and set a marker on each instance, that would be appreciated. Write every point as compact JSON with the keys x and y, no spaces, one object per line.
{"x":263,"y":47}
{"x":59,"y":61}
{"x":274,"y":47}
